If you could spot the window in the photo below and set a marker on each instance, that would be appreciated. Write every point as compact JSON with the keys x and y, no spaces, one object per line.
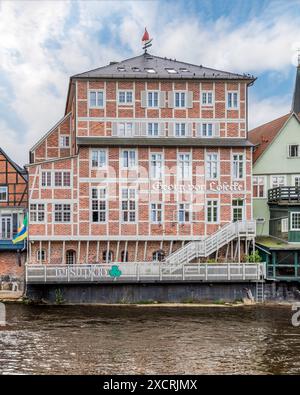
{"x":3,"y":194}
{"x":232,"y":100}
{"x":62,"y":179}
{"x":70,"y":257}
{"x":158,"y":255}
{"x":238,"y":166}
{"x":152,"y":99}
{"x":207,"y":130}
{"x":125,"y":97}
{"x":99,"y":158}
{"x":150,"y":71}
{"x":125,"y":129}
{"x":294,"y":151}
{"x":46,"y":178}
{"x":62,"y":212}
{"x":156,"y":166}
{"x":212,"y":211}
{"x":128,"y":205}
{"x":180,"y":129}
{"x":124,"y":256}
{"x":129,"y":159}
{"x":284,"y":225}
{"x":277,"y":181}
{"x":37,"y":212}
{"x":237,"y":210}
{"x":41,"y":255}
{"x":156,"y":212}
{"x":258,"y":186}
{"x":99,"y":205}
{"x":64,"y":141}
{"x":180,"y":99}
{"x":296,"y":181}
{"x":184,"y":212}
{"x":212,"y":166}
{"x":184,"y":166}
{"x":107,"y":256}
{"x":207,"y":98}
{"x":171,"y":71}
{"x":295,"y":221}
{"x":153,"y":129}
{"x":96,"y":99}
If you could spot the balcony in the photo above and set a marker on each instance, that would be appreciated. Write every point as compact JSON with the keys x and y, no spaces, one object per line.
{"x":144,"y":272}
{"x":7,"y":245}
{"x":284,"y":195}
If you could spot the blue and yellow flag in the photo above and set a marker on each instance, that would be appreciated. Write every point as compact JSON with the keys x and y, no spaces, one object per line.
{"x":22,"y":232}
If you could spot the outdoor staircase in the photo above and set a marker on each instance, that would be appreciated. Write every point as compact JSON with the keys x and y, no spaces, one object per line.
{"x":211,"y":244}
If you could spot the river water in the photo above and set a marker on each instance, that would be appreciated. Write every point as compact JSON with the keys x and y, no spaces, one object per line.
{"x":149,"y":340}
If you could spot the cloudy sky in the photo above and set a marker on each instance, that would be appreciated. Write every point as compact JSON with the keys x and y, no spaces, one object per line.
{"x":43,"y":43}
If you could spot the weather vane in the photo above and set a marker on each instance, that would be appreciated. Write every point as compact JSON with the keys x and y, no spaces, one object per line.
{"x":146,"y":40}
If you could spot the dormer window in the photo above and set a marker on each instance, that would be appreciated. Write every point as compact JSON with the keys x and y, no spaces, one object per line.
{"x":150,"y":71}
{"x":171,"y":71}
{"x":136,"y":69}
{"x":184,"y":70}
{"x":121,"y":68}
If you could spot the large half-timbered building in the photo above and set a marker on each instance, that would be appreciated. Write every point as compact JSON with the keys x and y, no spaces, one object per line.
{"x":13,"y":207}
{"x":151,"y":154}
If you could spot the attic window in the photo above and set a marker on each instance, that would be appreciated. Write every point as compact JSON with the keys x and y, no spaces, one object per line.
{"x":171,"y":71}
{"x":150,"y":71}
{"x":136,"y":69}
{"x":121,"y":68}
{"x":184,"y":70}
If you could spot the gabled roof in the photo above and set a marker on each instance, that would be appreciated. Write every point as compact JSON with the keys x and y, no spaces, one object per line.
{"x":137,"y":67}
{"x":263,"y":135}
{"x":19,"y":169}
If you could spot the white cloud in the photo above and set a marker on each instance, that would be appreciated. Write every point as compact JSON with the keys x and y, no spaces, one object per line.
{"x":263,"y":43}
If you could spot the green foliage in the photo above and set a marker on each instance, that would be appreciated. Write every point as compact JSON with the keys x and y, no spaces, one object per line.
{"x":211,"y":261}
{"x":254,"y":257}
{"x":59,"y":296}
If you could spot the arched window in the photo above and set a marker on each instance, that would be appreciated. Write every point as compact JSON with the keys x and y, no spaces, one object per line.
{"x":70,"y":257}
{"x":158,"y":255}
{"x":124,"y":256}
{"x":107,"y":256}
{"x":41,"y":256}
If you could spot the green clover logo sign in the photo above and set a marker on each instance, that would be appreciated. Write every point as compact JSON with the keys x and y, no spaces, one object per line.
{"x":115,"y":271}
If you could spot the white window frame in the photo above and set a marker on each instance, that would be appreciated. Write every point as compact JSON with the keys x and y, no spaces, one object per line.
{"x":97,"y":91}
{"x":99,"y":199}
{"x":150,"y":126}
{"x":98,"y":150}
{"x":209,"y":171}
{"x":153,"y":174}
{"x":289,"y":151}
{"x":291,"y":220}
{"x":243,"y":207}
{"x":5,"y":191}
{"x":157,"y":211}
{"x":181,"y":173}
{"x":294,"y":176}
{"x":212,"y":124}
{"x":180,"y":129}
{"x":37,"y":211}
{"x":126,"y":102}
{"x":187,"y":209}
{"x":258,"y":184}
{"x":122,"y":159}
{"x":217,"y":206}
{"x":62,"y":186}
{"x":206,"y":93}
{"x":180,"y":99}
{"x":239,"y":162}
{"x":152,"y":99}
{"x":62,"y":138}
{"x":47,"y":185}
{"x":128,"y":200}
{"x":54,"y":211}
{"x":232,"y":92}
{"x":284,"y":225}
{"x":126,"y":129}
{"x":43,"y":252}
{"x":276,"y":176}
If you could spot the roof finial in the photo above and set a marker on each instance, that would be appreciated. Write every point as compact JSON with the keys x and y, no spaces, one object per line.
{"x":146,"y":40}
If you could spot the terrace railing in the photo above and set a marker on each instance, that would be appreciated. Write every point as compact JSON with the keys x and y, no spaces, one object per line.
{"x":284,"y":195}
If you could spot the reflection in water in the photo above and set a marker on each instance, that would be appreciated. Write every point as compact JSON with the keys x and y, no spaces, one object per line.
{"x":149,"y":340}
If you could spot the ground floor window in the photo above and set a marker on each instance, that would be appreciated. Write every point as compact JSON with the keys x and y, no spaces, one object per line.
{"x":107,"y":256}
{"x":70,"y":257}
{"x":124,"y":256}
{"x":295,"y":221}
{"x":41,"y":256}
{"x":158,"y":255}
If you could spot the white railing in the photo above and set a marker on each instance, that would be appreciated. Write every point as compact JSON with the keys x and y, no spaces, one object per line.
{"x":143,"y":272}
{"x":204,"y":248}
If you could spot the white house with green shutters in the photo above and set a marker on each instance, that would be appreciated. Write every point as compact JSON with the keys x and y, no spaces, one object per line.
{"x":276,"y":191}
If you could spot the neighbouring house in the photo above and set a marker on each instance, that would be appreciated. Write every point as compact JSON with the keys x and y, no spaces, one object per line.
{"x":276,"y":191}
{"x":13,"y":207}
{"x":151,"y":156}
